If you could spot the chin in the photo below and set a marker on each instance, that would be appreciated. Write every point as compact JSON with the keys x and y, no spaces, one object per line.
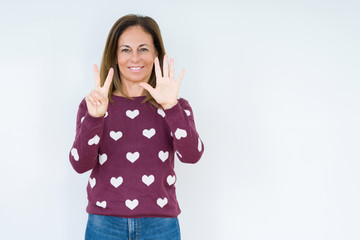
{"x":134,"y":78}
{"x":140,"y":78}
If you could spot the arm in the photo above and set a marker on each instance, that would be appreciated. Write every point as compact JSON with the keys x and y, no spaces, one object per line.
{"x":90,"y":124}
{"x":186,"y":140}
{"x":178,"y":113}
{"x":84,"y":151}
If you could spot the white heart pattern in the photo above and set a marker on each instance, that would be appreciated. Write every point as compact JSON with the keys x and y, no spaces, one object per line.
{"x":75,"y":154}
{"x":199,"y":145}
{"x":132,"y":157}
{"x":132,"y":204}
{"x":92,"y":182}
{"x":106,"y":114}
{"x":102,"y":158}
{"x":163,"y":155}
{"x":149,"y":132}
{"x":148,"y":180}
{"x":116,"y":182}
{"x":82,"y":119}
{"x":132,"y":114}
{"x":161,"y":112}
{"x":170,"y":180}
{"x":95,"y":140}
{"x":162,"y":202}
{"x":116,"y":135}
{"x":101,"y":204}
{"x":180,"y":133}
{"x":187,"y":112}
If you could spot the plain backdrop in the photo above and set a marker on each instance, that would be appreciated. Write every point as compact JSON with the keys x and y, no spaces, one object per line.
{"x":274,"y":86}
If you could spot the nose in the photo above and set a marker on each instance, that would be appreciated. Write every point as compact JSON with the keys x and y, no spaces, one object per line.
{"x":135,"y":57}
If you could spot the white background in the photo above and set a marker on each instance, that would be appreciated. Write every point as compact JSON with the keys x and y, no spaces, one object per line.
{"x":275,"y":90}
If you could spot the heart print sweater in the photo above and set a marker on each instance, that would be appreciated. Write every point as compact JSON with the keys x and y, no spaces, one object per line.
{"x":130,"y":152}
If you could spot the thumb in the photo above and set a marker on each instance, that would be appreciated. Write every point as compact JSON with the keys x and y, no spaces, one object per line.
{"x":147,"y":87}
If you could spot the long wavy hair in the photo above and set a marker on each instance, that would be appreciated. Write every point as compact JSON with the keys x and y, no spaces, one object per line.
{"x":109,"y":56}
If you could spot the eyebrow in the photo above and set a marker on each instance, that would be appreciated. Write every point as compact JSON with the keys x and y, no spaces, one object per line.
{"x":141,"y":45}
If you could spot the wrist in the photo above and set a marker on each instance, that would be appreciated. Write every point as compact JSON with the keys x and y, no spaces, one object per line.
{"x":96,"y":115}
{"x":168,"y":106}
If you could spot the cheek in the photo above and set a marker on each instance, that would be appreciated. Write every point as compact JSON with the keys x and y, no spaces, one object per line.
{"x":150,"y":66}
{"x":150,"y":60}
{"x":120,"y":60}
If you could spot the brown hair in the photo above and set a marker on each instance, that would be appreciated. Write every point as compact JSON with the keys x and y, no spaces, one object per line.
{"x":109,"y":56}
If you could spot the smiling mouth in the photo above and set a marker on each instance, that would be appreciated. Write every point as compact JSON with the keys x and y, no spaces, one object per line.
{"x":137,"y":68}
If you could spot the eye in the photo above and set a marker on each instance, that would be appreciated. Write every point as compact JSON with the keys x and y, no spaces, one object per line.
{"x":125,"y":50}
{"x":143,"y":49}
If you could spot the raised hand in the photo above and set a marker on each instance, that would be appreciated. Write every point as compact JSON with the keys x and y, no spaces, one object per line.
{"x":97,"y":101}
{"x":167,"y":88}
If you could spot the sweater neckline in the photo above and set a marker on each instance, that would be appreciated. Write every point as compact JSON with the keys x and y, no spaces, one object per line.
{"x":138,"y":98}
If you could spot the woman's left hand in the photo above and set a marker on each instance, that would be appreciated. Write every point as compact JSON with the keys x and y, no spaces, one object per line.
{"x":166,"y":91}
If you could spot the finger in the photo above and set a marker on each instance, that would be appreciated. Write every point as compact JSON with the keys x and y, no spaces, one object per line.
{"x":90,"y":99}
{"x":147,"y":87}
{"x":96,"y":76}
{"x":181,"y":76}
{"x":172,"y":68}
{"x":96,"y":96}
{"x":108,"y":80}
{"x":166,"y":66}
{"x":157,"y":68}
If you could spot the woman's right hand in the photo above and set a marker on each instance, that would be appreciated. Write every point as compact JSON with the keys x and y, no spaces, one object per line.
{"x":97,"y":101}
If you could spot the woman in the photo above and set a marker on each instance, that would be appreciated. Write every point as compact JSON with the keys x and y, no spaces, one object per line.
{"x":130,"y":144}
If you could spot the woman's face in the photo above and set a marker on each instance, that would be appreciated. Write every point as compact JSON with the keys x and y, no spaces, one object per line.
{"x":135,"y":55}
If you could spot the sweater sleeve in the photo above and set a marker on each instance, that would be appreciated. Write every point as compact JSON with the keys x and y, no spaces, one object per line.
{"x":187,"y":143}
{"x":84,"y":151}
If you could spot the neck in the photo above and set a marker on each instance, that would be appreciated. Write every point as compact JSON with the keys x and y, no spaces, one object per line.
{"x":132,"y":89}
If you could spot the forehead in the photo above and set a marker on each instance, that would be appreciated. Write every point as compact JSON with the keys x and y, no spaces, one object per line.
{"x":135,"y":36}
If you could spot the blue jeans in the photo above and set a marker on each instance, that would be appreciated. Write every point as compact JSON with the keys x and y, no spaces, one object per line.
{"x":101,"y":227}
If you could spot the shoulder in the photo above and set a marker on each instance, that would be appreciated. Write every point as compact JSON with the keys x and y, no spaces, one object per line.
{"x":82,"y":105}
{"x":183,"y":102}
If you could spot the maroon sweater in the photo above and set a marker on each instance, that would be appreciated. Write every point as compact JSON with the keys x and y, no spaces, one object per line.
{"x":131,"y":154}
